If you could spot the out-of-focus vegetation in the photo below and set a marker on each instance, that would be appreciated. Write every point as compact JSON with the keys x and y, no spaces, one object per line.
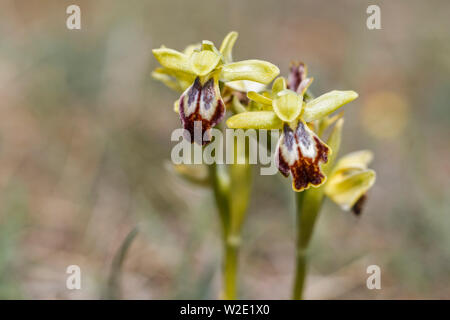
{"x":85,"y":141}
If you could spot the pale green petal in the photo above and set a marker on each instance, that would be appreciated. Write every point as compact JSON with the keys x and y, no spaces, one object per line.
{"x":209,"y":46}
{"x":226,"y":47}
{"x":191,"y":48}
{"x":255,"y":120}
{"x":358,"y":160}
{"x":204,"y":62}
{"x":172,"y":59}
{"x":176,"y":80}
{"x":237,"y":106}
{"x":254,"y":70}
{"x":287,"y":105}
{"x":252,"y":95}
{"x":326,"y":104}
{"x":345,"y":190}
{"x":278,"y":85}
{"x":168,"y":80}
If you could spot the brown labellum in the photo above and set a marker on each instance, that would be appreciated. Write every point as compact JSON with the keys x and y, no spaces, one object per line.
{"x":301,"y":153}
{"x":201,"y":104}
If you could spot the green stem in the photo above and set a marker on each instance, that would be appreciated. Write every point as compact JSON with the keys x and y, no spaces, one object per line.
{"x":221,"y":187}
{"x":230,"y":268}
{"x":308,"y":205}
{"x":300,"y":275}
{"x":231,"y":192}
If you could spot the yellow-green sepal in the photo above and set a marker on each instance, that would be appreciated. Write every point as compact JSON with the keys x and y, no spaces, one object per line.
{"x":226,"y":47}
{"x":358,"y":160}
{"x":174,"y":79}
{"x":172,"y":59}
{"x":254,"y":70}
{"x":326,"y":104}
{"x":255,"y":120}
{"x":160,"y":75}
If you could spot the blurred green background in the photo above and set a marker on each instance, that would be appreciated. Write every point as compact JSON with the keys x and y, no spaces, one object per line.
{"x":85,"y":146}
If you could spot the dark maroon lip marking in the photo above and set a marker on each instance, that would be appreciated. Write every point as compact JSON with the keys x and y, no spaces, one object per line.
{"x":289,"y":137}
{"x":195,"y":91}
{"x":305,"y":170}
{"x":302,"y":135}
{"x":190,"y":101}
{"x":208,"y":93}
{"x":359,"y":205}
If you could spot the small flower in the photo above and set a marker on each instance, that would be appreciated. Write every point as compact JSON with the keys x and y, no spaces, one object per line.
{"x":299,"y":151}
{"x":203,"y":67}
{"x":349,"y":181}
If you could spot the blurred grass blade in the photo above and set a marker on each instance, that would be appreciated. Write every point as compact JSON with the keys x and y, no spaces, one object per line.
{"x":113,"y":289}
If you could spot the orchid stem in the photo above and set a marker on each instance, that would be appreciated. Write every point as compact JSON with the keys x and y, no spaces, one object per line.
{"x":231,"y":192}
{"x":230,"y":270}
{"x":308,"y":205}
{"x":300,"y":275}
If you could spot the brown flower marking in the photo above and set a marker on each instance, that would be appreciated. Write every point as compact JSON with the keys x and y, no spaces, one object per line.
{"x":301,"y":153}
{"x":359,"y":205}
{"x":296,"y":76}
{"x":201,"y":104}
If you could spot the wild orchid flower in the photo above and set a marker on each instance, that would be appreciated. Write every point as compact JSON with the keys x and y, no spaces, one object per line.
{"x":204,"y":67}
{"x":350,"y":179}
{"x":299,"y":151}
